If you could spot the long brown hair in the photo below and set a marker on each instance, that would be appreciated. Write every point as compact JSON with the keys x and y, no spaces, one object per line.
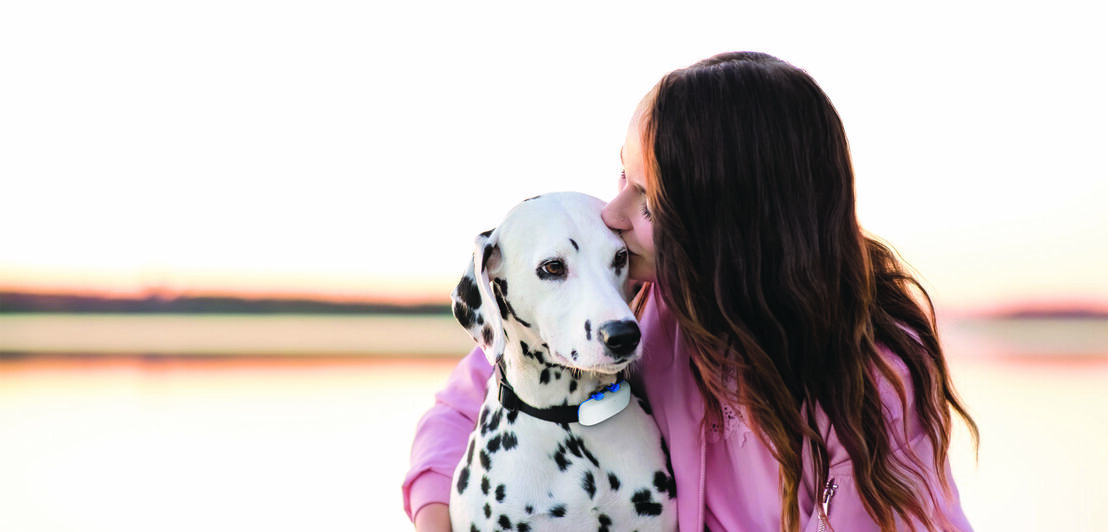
{"x":760,"y":257}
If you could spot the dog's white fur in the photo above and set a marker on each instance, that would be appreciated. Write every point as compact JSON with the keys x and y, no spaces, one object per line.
{"x":525,"y":473}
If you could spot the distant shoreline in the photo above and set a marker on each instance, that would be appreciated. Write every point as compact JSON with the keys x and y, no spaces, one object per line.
{"x":1060,"y":314}
{"x":18,"y":302}
{"x":33,"y":303}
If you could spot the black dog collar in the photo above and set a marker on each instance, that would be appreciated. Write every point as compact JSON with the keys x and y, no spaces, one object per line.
{"x":553,"y":414}
{"x":597,"y":408}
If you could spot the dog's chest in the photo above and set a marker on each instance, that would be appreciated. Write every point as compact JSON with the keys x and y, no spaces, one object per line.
{"x":532,"y":475}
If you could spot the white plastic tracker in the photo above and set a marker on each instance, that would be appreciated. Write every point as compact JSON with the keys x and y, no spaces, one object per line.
{"x":604,"y":404}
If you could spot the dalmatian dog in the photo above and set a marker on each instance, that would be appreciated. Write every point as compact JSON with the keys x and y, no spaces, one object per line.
{"x":560,"y":443}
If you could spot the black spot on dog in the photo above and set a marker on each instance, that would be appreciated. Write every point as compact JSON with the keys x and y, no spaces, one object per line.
{"x":577,"y":446}
{"x":494,"y":420}
{"x":483,"y":420}
{"x":500,"y":493}
{"x":463,"y":480}
{"x":512,"y":415}
{"x":529,"y":509}
{"x":464,"y":316}
{"x":590,"y":457}
{"x":544,"y":377}
{"x":501,"y":303}
{"x":486,"y":334}
{"x":572,"y":385}
{"x":512,"y":311}
{"x":505,"y":306}
{"x":523,"y":527}
{"x":493,"y":445}
{"x":560,"y":459}
{"x":509,"y":440}
{"x":589,"y":484}
{"x":485,"y":484}
{"x":488,"y":511}
{"x":574,"y":446}
{"x":487,"y":417}
{"x":473,"y":527}
{"x":469,"y":453}
{"x":671,"y":486}
{"x":588,"y":330}
{"x":605,"y":522}
{"x":502,"y":284}
{"x":486,"y":462}
{"x":504,"y":522}
{"x":468,"y":292}
{"x":613,"y":481}
{"x":665,"y":484}
{"x":575,"y":247}
{"x":573,"y":354}
{"x":645,"y":504}
{"x":528,"y":353}
{"x":558,"y":511}
{"x":485,"y":255}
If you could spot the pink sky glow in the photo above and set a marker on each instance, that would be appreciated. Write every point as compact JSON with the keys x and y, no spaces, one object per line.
{"x":353,"y":150}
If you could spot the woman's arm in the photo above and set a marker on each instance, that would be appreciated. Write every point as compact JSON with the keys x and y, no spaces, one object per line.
{"x":433,"y":517}
{"x":441,"y":435}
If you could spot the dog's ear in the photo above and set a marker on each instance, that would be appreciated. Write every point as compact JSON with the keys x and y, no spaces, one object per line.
{"x":474,"y":305}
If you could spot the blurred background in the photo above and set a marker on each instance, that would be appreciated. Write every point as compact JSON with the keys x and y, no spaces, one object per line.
{"x":228,"y":230}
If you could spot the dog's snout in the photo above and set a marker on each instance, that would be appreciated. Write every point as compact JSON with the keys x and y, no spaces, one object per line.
{"x":620,"y":337}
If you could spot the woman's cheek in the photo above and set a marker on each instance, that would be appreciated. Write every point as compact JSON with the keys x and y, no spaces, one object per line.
{"x":645,"y":233}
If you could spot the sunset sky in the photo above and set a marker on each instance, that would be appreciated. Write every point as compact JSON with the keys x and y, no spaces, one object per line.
{"x":353,"y":149}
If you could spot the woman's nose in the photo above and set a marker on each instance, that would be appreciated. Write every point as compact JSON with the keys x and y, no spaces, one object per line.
{"x":612,"y":217}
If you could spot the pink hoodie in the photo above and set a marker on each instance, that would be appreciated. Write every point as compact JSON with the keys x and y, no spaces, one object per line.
{"x":727,"y":479}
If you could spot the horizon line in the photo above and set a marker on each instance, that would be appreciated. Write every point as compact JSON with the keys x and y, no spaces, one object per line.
{"x":1028,"y":307}
{"x":414,"y":299}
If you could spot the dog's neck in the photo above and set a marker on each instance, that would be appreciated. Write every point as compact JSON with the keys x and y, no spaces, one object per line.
{"x":538,"y":379}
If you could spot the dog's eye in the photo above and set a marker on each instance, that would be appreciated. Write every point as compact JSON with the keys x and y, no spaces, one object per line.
{"x":620,"y":260}
{"x":552,"y":269}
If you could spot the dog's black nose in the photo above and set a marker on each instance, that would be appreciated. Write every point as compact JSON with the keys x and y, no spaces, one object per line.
{"x":620,"y":337}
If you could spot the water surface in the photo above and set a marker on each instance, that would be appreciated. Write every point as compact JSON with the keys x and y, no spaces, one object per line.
{"x":316,"y":437}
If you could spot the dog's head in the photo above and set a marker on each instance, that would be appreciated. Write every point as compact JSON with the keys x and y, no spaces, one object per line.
{"x":551,"y":273}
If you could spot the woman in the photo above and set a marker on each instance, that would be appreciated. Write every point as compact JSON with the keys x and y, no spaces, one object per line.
{"x":789,"y":366}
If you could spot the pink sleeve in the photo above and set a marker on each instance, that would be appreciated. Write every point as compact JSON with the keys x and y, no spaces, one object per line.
{"x":441,"y":435}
